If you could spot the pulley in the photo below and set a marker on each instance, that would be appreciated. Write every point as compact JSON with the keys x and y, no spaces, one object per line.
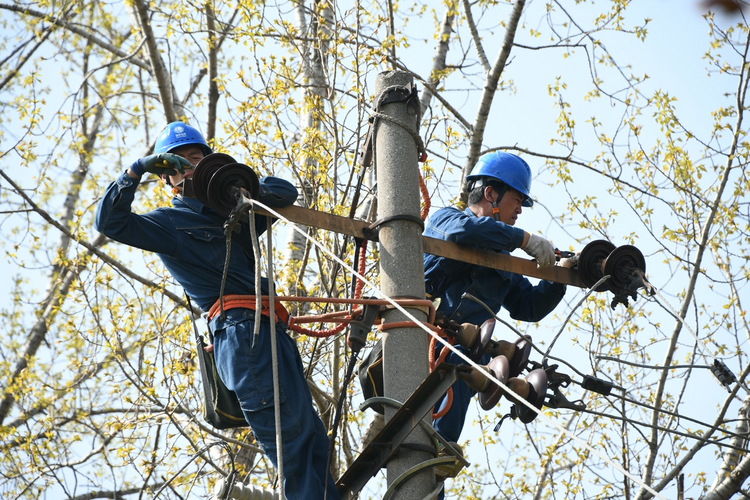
{"x":218,"y":179}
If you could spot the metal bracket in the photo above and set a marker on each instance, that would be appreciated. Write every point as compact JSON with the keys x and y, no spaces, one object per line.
{"x":365,"y":151}
{"x":377,"y":454}
{"x":361,"y":325}
{"x":244,"y":202}
{"x":558,"y":400}
{"x":591,"y":383}
{"x":371,"y":232}
{"x":407,"y":93}
{"x":556,"y":380}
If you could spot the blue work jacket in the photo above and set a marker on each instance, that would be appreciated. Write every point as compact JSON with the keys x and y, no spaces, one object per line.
{"x":449,"y":279}
{"x":189,"y":238}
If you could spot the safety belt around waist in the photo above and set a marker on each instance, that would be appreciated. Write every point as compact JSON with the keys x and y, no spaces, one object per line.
{"x":248,"y":302}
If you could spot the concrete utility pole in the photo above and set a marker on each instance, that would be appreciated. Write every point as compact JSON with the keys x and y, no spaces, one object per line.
{"x":405,"y":353}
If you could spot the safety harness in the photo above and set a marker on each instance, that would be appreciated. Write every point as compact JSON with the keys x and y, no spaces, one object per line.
{"x":248,"y":302}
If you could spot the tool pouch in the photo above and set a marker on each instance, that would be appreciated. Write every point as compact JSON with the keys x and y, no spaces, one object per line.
{"x":221,"y":408}
{"x":371,"y":375}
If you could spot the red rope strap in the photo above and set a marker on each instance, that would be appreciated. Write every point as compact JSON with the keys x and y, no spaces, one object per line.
{"x":426,"y":197}
{"x":343,"y":317}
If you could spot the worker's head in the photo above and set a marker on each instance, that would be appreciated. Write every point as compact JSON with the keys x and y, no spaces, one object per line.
{"x":183,"y":140}
{"x":500,"y":186}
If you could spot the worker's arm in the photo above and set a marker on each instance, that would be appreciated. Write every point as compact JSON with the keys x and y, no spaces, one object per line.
{"x":453,"y":225}
{"x":115,"y":219}
{"x":276,"y":192}
{"x":527,"y":302}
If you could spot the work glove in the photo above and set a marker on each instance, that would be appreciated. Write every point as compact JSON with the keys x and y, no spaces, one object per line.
{"x":541,"y":249}
{"x":160,"y":164}
{"x":569,"y":262}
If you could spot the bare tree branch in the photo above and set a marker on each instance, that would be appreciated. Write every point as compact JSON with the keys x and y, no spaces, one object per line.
{"x":78,"y":31}
{"x":488,"y":94}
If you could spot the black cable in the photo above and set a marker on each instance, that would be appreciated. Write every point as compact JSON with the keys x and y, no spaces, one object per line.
{"x":359,"y":247}
{"x":340,"y":407}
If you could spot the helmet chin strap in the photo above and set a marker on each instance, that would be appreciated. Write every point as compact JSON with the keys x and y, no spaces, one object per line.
{"x":184,"y":188}
{"x":495,"y":208}
{"x":495,"y":211}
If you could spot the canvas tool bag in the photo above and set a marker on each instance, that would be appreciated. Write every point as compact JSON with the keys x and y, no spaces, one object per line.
{"x":221,"y":408}
{"x":371,"y":375}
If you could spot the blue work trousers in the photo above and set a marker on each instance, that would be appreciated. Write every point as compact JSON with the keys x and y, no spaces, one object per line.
{"x":248,"y":372}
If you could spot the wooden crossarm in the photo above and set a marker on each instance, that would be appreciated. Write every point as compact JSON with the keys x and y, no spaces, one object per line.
{"x":486,"y":258}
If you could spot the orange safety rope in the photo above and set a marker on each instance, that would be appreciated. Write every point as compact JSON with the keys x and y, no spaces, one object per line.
{"x":344,"y":317}
{"x":431,"y":355}
{"x":434,"y":362}
{"x":336,"y":316}
{"x":361,"y":266}
{"x":426,"y":197}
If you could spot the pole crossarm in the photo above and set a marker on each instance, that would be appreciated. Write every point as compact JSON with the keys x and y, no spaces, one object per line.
{"x":486,"y":258}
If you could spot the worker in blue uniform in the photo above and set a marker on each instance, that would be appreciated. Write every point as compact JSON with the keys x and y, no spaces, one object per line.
{"x":499,"y":188}
{"x":189,"y":239}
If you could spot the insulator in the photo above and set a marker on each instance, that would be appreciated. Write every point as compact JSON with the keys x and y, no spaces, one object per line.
{"x":590,"y":263}
{"x":217,"y":178}
{"x":622,"y":265}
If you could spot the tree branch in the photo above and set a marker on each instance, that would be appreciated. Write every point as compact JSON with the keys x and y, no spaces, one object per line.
{"x":488,"y":94}
{"x":163,"y":82}
{"x":694,"y":273}
{"x":88,"y":36}
{"x":475,"y":36}
{"x":438,"y":61}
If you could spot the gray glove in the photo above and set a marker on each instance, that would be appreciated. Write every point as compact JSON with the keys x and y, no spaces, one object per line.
{"x":541,"y":249}
{"x":569,"y":262}
{"x":160,"y":164}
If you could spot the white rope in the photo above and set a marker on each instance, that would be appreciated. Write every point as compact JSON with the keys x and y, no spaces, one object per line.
{"x":256,"y":330}
{"x":468,"y":361}
{"x":274,"y":362}
{"x":258,"y":272}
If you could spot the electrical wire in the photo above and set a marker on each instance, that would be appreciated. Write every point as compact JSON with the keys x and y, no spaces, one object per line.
{"x":585,"y":296}
{"x":594,"y":287}
{"x":705,"y":352}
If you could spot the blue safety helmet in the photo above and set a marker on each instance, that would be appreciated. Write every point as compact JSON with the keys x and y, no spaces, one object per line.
{"x":178,"y":134}
{"x":507,"y":168}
